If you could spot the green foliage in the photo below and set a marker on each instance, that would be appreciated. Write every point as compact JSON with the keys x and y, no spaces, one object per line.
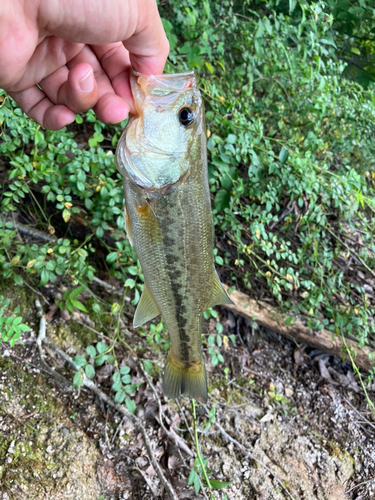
{"x":290,"y":152}
{"x":290,"y":108}
{"x":70,"y":301}
{"x":11,"y":326}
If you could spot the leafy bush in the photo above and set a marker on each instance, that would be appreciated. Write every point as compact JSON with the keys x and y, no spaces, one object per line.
{"x":291,"y":165}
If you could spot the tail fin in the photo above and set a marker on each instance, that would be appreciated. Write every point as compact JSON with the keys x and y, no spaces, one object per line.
{"x":181,"y":379}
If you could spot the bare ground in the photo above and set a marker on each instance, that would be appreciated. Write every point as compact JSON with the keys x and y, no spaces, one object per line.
{"x":292,"y":422}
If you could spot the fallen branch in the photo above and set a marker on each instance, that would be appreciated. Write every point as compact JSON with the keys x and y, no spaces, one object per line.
{"x":273,"y":319}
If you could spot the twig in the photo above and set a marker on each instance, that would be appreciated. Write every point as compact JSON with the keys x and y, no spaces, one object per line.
{"x":41,"y":336}
{"x":360,"y":484}
{"x":199,"y":456}
{"x":186,"y":422}
{"x":32,"y":232}
{"x":148,"y":482}
{"x":356,"y":371}
{"x":171,"y":433}
{"x":36,"y":292}
{"x":109,"y":287}
{"x":360,"y":414}
{"x":249,"y":455}
{"x":121,"y":409}
{"x":47,"y":370}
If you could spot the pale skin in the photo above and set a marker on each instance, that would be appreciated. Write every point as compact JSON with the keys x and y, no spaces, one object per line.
{"x":62,"y":57}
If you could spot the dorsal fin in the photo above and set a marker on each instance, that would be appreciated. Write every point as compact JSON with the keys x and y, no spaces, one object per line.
{"x":147,"y":309}
{"x":219,"y":295}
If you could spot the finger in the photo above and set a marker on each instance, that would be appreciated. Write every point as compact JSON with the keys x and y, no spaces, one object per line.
{"x":136,"y":22}
{"x":50,"y":55}
{"x":37,"y":106}
{"x":115,"y":61}
{"x":75,"y":88}
{"x":148,"y":47}
{"x":109,"y":108}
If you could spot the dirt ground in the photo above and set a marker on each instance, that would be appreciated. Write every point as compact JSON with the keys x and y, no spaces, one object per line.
{"x":293,"y":422}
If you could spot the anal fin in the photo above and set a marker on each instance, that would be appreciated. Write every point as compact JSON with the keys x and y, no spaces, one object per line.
{"x":147,"y":309}
{"x":219,"y":295}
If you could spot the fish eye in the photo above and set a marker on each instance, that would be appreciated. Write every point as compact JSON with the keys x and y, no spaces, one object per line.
{"x":186,"y":116}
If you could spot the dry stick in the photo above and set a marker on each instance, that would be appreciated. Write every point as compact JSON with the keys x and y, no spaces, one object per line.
{"x":360,"y":484}
{"x":171,"y":433}
{"x":273,"y":319}
{"x":121,"y":409}
{"x":181,"y":443}
{"x":244,"y":450}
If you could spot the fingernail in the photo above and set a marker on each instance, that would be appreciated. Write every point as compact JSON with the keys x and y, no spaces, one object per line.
{"x":88,"y":81}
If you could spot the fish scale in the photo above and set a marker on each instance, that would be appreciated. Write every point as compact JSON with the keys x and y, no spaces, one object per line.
{"x":169,"y":221}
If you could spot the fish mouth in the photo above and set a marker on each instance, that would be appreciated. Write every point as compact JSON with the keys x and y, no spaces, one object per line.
{"x":155,"y":146}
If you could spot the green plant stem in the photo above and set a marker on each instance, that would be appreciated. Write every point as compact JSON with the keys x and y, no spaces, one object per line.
{"x":199,"y":456}
{"x":356,"y":371}
{"x":350,"y":251}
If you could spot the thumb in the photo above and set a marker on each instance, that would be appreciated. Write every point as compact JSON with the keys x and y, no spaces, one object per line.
{"x":148,"y":47}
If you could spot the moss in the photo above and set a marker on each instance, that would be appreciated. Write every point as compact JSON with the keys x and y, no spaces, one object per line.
{"x":19,"y":297}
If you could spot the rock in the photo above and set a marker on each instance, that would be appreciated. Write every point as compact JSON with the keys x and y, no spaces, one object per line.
{"x":43,"y":455}
{"x":311,"y":467}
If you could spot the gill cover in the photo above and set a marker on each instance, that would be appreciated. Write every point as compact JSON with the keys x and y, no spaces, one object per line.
{"x":153,"y":150}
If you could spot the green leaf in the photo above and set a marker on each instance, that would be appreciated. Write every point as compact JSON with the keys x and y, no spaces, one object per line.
{"x":24,"y":328}
{"x":90,"y":371}
{"x":79,"y":361}
{"x":283,"y":156}
{"x":91,"y":351}
{"x":99,"y":361}
{"x":125,"y":370}
{"x":191,"y":477}
{"x":101,"y":347}
{"x":78,"y":305}
{"x":218,"y":485}
{"x":148,"y":366}
{"x":126,"y":379}
{"x":110,"y":359}
{"x":120,"y":396}
{"x":222,"y":200}
{"x":18,"y":279}
{"x":292,"y":5}
{"x":130,"y":405}
{"x":78,"y":379}
{"x":77,"y":291}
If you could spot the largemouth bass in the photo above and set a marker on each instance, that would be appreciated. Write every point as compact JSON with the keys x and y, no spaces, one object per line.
{"x":162,"y":158}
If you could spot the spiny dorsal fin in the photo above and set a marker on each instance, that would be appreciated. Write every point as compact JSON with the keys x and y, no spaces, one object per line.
{"x":147,"y":309}
{"x":219,"y":295}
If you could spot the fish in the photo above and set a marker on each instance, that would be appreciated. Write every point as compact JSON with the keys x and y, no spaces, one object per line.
{"x":162,"y":158}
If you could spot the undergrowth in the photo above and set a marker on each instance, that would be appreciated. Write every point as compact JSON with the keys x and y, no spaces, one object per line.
{"x":290,"y":111}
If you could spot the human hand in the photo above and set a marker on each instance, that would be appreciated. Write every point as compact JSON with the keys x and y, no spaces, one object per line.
{"x":59,"y":58}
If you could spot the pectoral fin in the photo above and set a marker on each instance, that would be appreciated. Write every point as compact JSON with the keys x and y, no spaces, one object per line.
{"x":147,"y":309}
{"x":219,"y":295}
{"x":128,"y":227}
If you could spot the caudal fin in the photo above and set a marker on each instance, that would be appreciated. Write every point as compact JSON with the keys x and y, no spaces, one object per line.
{"x":180,"y":379}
